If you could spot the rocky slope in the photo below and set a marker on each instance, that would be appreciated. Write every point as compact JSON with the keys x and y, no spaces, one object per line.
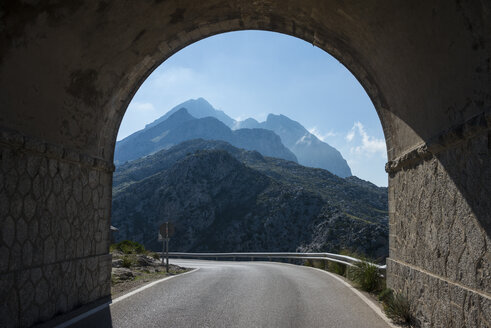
{"x":181,"y":126}
{"x":198,"y":108}
{"x":309,"y":150}
{"x":222,"y":198}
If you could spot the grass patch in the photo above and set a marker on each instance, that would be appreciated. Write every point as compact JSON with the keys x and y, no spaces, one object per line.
{"x":155,"y":255}
{"x":128,"y":247}
{"x":127,"y":262}
{"x":385,"y":295}
{"x":379,"y":211}
{"x":336,"y":268}
{"x":358,"y":218}
{"x":397,"y":308}
{"x":366,"y":275}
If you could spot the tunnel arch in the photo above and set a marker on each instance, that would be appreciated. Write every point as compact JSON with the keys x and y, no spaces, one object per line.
{"x":159,"y":58}
{"x":69,"y":70}
{"x":367,"y":83}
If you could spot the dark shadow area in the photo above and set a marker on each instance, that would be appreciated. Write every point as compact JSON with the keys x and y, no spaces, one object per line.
{"x":100,"y":319}
{"x":94,"y":315}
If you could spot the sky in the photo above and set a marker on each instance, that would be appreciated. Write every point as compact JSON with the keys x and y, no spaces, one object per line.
{"x":254,"y":73}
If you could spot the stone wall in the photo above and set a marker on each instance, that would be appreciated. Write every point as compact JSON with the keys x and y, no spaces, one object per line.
{"x":68,"y":70}
{"x":440,"y":228}
{"x":54,"y":214}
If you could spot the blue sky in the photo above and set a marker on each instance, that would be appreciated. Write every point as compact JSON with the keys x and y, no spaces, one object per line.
{"x":253,"y":73}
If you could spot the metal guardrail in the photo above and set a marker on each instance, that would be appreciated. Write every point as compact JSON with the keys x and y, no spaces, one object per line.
{"x":342,"y":259}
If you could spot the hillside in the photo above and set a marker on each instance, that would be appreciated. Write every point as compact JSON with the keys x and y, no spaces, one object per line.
{"x":302,"y":146}
{"x":223,"y":198}
{"x":309,"y":150}
{"x":181,"y":126}
{"x":198,"y":108}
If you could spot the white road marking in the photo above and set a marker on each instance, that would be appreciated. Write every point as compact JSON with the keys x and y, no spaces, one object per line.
{"x":116,"y":300}
{"x":375,"y":308}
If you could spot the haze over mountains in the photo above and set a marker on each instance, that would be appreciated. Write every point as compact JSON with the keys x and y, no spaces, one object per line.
{"x":297,"y":144}
{"x":222,"y":198}
{"x":310,"y":151}
{"x":181,"y":126}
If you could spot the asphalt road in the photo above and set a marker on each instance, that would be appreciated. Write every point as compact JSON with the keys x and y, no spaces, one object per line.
{"x":241,"y":294}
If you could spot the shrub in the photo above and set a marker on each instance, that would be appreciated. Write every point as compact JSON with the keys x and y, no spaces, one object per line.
{"x":366,"y":275}
{"x":127,"y":262}
{"x":156,"y":256}
{"x":336,"y":268}
{"x":397,"y":308}
{"x":318,"y":264}
{"x":385,"y":295}
{"x":128,"y":247}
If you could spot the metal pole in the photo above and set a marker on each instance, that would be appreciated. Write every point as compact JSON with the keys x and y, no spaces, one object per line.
{"x":167,"y":254}
{"x":163,"y":250}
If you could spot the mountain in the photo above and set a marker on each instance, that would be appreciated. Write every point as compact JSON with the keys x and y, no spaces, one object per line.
{"x":181,"y":126}
{"x":198,"y":108}
{"x":309,"y":150}
{"x":222,"y":198}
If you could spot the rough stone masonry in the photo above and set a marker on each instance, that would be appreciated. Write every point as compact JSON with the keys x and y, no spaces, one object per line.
{"x":68,"y":70}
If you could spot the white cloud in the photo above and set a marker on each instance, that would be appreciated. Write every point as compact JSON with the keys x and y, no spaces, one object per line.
{"x":350,"y":135}
{"x":322,"y":136}
{"x":175,"y":76}
{"x":143,"y":107}
{"x":369,"y":144}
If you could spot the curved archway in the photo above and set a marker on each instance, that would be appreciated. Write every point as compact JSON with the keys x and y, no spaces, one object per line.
{"x":68,"y":71}
{"x":159,"y":58}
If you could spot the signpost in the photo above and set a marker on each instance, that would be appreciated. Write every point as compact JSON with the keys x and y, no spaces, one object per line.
{"x":165,"y":232}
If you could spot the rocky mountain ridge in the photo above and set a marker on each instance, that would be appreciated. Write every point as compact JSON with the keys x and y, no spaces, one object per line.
{"x":223,"y":198}
{"x":181,"y":126}
{"x":307,"y":149}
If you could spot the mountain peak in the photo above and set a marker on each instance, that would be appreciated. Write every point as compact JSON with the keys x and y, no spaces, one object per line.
{"x":198,"y":108}
{"x":282,"y":119}
{"x":181,"y":115}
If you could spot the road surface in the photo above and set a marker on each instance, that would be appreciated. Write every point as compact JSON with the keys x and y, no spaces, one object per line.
{"x":241,"y":294}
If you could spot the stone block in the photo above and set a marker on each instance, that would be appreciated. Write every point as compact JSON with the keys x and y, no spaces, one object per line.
{"x":8,"y":231}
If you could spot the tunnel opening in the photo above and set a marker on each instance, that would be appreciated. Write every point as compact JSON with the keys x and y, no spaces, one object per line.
{"x":69,"y":71}
{"x":328,"y":211}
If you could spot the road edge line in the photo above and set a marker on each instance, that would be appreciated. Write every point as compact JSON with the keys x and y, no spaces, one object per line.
{"x":365,"y":299}
{"x":118,"y":299}
{"x":153,"y":283}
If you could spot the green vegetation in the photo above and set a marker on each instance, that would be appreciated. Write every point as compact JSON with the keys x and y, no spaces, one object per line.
{"x":128,"y":247}
{"x":354,"y":217}
{"x":336,"y":268}
{"x":397,"y":308}
{"x":127,"y":262}
{"x":348,"y":213}
{"x":155,"y":255}
{"x":385,"y":295}
{"x":366,"y":275}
